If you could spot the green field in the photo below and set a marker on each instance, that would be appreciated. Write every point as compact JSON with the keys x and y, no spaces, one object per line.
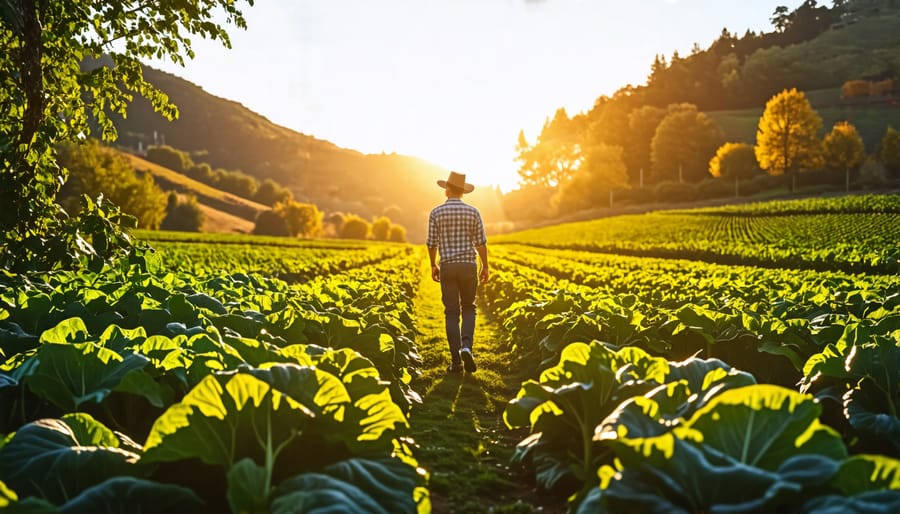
{"x":729,"y":359}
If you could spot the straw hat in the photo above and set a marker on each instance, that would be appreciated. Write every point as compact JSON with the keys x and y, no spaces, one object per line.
{"x":457,"y":180}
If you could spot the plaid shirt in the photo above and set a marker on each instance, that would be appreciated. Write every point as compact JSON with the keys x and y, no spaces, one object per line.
{"x":455,"y":229}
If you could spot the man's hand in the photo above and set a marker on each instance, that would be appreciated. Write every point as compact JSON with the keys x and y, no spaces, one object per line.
{"x":485,"y":274}
{"x":435,"y":273}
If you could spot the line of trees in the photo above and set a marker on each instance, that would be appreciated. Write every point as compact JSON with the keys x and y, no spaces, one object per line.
{"x":236,"y":182}
{"x":682,"y":155}
{"x":295,"y":219}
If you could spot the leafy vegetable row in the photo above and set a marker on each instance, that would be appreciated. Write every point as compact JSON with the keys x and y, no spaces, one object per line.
{"x":850,"y":204}
{"x":769,"y":321}
{"x":227,"y":391}
{"x":607,"y":413}
{"x":290,"y":263}
{"x":622,"y":431}
{"x":861,"y":242}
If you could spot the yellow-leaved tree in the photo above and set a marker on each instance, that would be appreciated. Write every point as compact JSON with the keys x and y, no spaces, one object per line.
{"x":734,"y":160}
{"x":843,"y":148}
{"x":786,"y":139}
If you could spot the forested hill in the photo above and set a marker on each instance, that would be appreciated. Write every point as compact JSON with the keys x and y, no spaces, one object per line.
{"x":228,"y":135}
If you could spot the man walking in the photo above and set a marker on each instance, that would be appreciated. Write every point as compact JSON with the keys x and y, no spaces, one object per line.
{"x":456,"y":232}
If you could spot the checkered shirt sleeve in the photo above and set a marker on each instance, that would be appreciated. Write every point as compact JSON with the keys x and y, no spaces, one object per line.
{"x":455,"y":229}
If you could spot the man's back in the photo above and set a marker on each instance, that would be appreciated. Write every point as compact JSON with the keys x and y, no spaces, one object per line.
{"x":456,"y":228}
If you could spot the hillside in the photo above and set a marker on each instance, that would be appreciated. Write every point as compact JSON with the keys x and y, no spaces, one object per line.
{"x":228,"y":135}
{"x":870,"y":119}
{"x":207,"y":195}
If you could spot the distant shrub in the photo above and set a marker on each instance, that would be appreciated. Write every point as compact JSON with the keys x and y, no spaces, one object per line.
{"x":355,"y":227}
{"x":827,"y":178}
{"x":270,"y":192}
{"x":381,"y":228}
{"x":673,"y":192}
{"x":183,"y":215}
{"x":201,"y":172}
{"x":872,"y":174}
{"x":303,"y":219}
{"x":169,"y":157}
{"x":634,"y":196}
{"x":397,"y":234}
{"x":890,"y":150}
{"x":236,"y":182}
{"x":763,"y":183}
{"x":714,"y":188}
{"x":270,"y":223}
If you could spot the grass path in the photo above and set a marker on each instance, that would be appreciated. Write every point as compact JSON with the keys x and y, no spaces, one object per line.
{"x":459,"y":429}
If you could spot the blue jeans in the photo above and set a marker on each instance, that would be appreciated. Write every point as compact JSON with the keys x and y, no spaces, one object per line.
{"x":458,"y":283}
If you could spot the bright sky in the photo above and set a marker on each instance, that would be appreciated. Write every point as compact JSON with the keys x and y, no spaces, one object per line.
{"x":450,"y":81}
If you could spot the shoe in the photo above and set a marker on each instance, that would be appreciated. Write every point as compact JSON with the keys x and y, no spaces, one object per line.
{"x":468,"y":360}
{"x":455,"y":368}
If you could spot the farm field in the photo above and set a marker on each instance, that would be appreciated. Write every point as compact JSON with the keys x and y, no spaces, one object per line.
{"x":739,"y":359}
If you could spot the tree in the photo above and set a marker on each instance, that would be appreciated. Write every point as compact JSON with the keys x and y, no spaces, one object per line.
{"x":786,"y":138}
{"x":397,"y":234}
{"x":684,"y":142}
{"x":183,"y":215}
{"x":734,"y":160}
{"x":781,"y":18}
{"x":528,"y":202}
{"x":271,"y":192}
{"x":890,"y":150}
{"x":270,"y":223}
{"x":303,"y":219}
{"x":843,"y":148}
{"x":46,"y":96}
{"x":355,"y":227}
{"x":171,"y":158}
{"x":554,"y":156}
{"x":643,"y":122}
{"x":381,"y":228}
{"x":237,"y":183}
{"x":602,"y":170}
{"x":95,"y":170}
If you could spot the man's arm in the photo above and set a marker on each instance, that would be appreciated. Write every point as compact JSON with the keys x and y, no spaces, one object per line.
{"x":483,"y":254}
{"x":435,"y":271}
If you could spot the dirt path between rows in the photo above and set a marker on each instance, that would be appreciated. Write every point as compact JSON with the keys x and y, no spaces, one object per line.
{"x":458,"y":428}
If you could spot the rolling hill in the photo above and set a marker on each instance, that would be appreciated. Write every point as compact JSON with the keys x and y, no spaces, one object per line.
{"x":227,"y":135}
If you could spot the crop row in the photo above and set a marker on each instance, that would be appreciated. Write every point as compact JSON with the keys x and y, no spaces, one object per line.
{"x":290,"y":263}
{"x":839,"y":242}
{"x":851,"y":204}
{"x":841,"y":334}
{"x":161,"y":392}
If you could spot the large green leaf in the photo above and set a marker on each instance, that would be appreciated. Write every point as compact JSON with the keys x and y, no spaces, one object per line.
{"x":571,"y":399}
{"x":667,"y":474}
{"x":127,"y":495}
{"x":317,"y":390}
{"x":664,"y":407}
{"x":246,"y":418}
{"x":873,"y":406}
{"x":58,"y":458}
{"x":72,"y":330}
{"x":248,"y":488}
{"x":875,"y":502}
{"x":69,"y":375}
{"x":352,"y":486}
{"x":866,"y":473}
{"x":762,"y":426}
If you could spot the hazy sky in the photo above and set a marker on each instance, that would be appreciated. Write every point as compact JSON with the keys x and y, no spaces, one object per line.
{"x":451,"y":81}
